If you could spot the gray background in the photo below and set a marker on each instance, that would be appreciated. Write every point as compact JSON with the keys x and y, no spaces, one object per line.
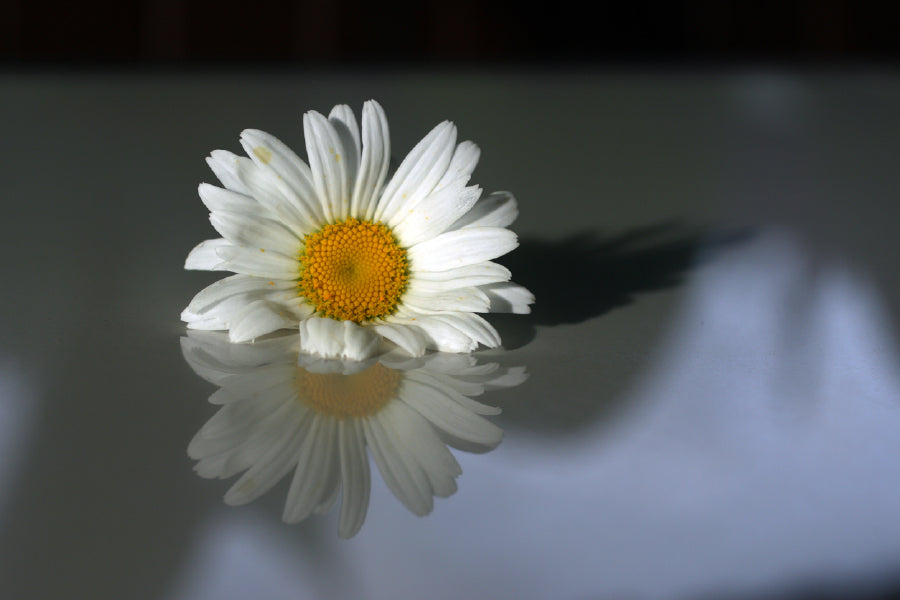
{"x":712,"y":402}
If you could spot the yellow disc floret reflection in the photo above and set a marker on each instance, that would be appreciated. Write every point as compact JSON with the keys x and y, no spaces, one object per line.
{"x":347,"y":396}
{"x":353,"y":270}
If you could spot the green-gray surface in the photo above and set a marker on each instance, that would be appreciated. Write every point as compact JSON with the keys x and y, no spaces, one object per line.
{"x":712,"y":402}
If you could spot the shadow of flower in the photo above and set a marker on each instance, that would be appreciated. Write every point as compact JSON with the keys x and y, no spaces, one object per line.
{"x":284,"y":411}
{"x":587,"y":275}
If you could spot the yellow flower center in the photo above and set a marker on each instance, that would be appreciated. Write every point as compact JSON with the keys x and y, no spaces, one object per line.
{"x":342,"y":396}
{"x":353,"y":270}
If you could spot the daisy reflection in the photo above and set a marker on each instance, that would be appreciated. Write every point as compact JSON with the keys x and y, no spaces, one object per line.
{"x":282,"y":410}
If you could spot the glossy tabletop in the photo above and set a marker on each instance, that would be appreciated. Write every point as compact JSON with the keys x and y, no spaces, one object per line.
{"x":704,"y":402}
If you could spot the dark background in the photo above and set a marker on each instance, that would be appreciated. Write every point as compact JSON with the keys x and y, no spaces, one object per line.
{"x":149,"y":32}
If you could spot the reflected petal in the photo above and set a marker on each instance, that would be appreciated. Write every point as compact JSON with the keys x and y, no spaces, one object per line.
{"x":282,"y":410}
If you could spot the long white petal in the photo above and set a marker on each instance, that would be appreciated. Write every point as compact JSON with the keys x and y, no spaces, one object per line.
{"x":471,"y":325}
{"x":230,"y":286}
{"x":373,"y":168}
{"x":343,"y":120}
{"x":271,"y":380}
{"x":403,"y":477}
{"x":216,"y":198}
{"x":408,"y":337}
{"x":511,"y":378}
{"x":422,"y":445}
{"x":309,"y":475}
{"x":435,"y":213}
{"x":297,"y":202}
{"x":283,"y":309}
{"x":446,"y":338}
{"x":417,"y":175}
{"x":204,"y":322}
{"x":337,"y":339}
{"x":440,"y":335}
{"x":331,"y":487}
{"x":355,"y":478}
{"x":223,"y":164}
{"x":450,"y":386}
{"x":316,"y":474}
{"x":450,"y":416}
{"x":267,"y":470}
{"x":253,"y":261}
{"x":326,"y":159}
{"x":461,"y":248}
{"x":469,"y":299}
{"x":478,"y":274}
{"x":265,"y":234}
{"x":205,"y":257}
{"x":498,"y":209}
{"x":260,"y":318}
{"x":464,"y":160}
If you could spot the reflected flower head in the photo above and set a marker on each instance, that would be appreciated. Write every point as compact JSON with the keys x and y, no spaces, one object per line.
{"x":345,"y":254}
{"x":283,"y":410}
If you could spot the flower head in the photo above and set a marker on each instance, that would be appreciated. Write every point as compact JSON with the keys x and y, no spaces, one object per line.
{"x":284,"y":412}
{"x":351,"y":257}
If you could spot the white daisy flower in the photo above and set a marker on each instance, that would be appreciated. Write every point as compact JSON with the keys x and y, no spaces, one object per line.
{"x":331,"y":248}
{"x":317,"y":417}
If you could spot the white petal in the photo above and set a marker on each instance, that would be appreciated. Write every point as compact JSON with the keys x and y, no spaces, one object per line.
{"x":464,"y":160}
{"x":403,"y":477}
{"x":424,"y":447}
{"x":215,"y":198}
{"x":316,"y":461}
{"x":417,"y":175}
{"x":439,"y":334}
{"x":355,"y":476}
{"x":226,"y":310}
{"x":458,"y":390}
{"x":224,"y":163}
{"x":454,"y":364}
{"x":295,"y":305}
{"x":252,"y":261}
{"x":260,"y":317}
{"x":268,"y":380}
{"x":326,"y":159}
{"x":373,"y":168}
{"x":470,"y":299}
{"x":343,"y":114}
{"x":511,"y":378}
{"x":246,"y":430}
{"x":477,"y":274}
{"x":409,"y":338}
{"x":473,"y":326}
{"x":450,"y":416}
{"x":343,"y":120}
{"x":267,"y":471}
{"x":203,"y":322}
{"x":297,"y":202}
{"x":446,"y":338}
{"x":244,"y":230}
{"x":265,"y":186}
{"x":509,"y":297}
{"x":331,"y":489}
{"x":242,"y":358}
{"x":435,"y":213}
{"x":230,"y":286}
{"x":330,"y":338}
{"x":461,"y":248}
{"x":204,"y":257}
{"x":499,"y":209}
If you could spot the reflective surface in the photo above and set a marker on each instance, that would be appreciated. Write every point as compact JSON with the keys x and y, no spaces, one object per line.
{"x":712,"y":397}
{"x":285,"y":411}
